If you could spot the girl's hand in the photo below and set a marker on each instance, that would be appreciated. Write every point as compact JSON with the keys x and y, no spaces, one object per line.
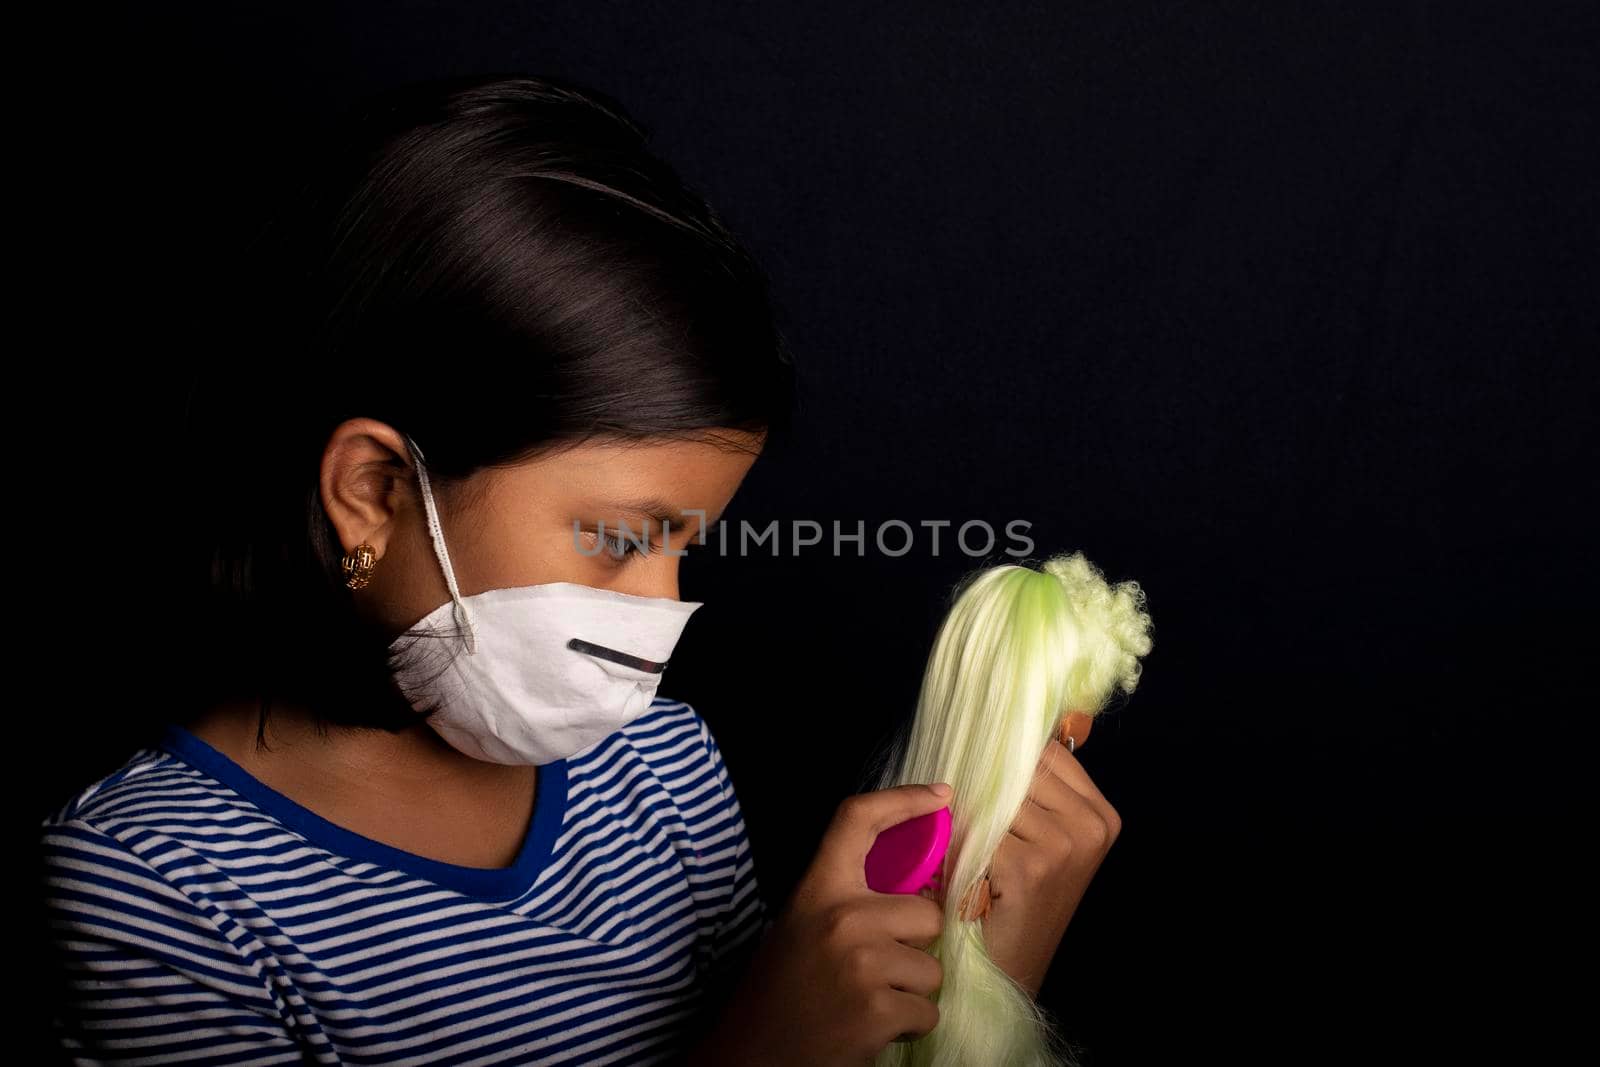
{"x":842,"y":972}
{"x":1046,"y":861}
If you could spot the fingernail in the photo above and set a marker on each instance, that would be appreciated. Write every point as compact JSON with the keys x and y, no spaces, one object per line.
{"x":942,"y":789}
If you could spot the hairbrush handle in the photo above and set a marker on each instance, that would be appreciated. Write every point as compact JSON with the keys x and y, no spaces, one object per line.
{"x":905,"y":856}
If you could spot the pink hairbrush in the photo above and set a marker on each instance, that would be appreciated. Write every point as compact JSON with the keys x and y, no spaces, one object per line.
{"x":906,"y":857}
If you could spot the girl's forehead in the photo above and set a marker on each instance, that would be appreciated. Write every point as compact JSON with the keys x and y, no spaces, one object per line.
{"x":646,"y":476}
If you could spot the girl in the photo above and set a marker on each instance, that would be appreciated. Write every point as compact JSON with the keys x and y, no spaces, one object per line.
{"x":418,"y":800}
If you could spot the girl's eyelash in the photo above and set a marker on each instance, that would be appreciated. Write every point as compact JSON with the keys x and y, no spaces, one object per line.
{"x":627,"y":547}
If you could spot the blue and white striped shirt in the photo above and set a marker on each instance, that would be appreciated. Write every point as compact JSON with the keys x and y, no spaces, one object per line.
{"x":201,"y":917}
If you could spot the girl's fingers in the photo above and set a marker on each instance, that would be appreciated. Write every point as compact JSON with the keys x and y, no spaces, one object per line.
{"x":922,"y":1013}
{"x":910,"y":919}
{"x":1063,"y":784}
{"x":913,"y":971}
{"x":1036,"y":826}
{"x":1063,"y":766}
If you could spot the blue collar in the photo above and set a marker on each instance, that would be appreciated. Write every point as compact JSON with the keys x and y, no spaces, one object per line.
{"x":549,"y":810}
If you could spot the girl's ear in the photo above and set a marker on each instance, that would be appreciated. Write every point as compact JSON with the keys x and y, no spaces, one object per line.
{"x":364,"y":464}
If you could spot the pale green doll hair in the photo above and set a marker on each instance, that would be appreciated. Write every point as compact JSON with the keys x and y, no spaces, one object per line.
{"x":1019,"y":650}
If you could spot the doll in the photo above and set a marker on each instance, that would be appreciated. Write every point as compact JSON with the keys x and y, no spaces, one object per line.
{"x":1024,"y":655}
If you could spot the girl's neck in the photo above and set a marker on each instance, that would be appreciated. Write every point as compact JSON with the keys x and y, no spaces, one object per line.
{"x":409,"y":789}
{"x":405,"y":761}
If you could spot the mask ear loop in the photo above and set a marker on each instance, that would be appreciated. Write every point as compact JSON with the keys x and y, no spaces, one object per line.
{"x":436,"y":533}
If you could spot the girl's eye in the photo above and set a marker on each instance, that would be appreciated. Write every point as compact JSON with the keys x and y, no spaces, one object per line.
{"x":621,"y":548}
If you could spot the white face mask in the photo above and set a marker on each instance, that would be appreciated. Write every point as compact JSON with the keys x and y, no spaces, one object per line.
{"x":546,"y":670}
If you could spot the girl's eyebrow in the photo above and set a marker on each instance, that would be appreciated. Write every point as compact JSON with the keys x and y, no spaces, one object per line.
{"x":661,"y":512}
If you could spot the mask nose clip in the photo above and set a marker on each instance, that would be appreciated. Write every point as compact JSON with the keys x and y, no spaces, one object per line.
{"x":602,"y":652}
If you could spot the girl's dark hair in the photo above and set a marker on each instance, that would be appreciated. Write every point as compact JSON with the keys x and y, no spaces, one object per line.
{"x":493,"y":265}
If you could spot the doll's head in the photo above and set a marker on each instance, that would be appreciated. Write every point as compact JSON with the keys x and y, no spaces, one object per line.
{"x":1020,"y":649}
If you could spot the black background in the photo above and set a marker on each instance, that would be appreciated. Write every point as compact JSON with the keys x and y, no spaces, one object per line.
{"x":1286,"y":311}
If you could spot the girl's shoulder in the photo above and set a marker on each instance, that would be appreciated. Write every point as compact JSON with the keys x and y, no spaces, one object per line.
{"x":114,"y":830}
{"x":665,"y":718}
{"x":132,"y":791}
{"x":673,"y":737}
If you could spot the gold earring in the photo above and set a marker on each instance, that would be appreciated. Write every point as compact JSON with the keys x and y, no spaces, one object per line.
{"x":359,"y":567}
